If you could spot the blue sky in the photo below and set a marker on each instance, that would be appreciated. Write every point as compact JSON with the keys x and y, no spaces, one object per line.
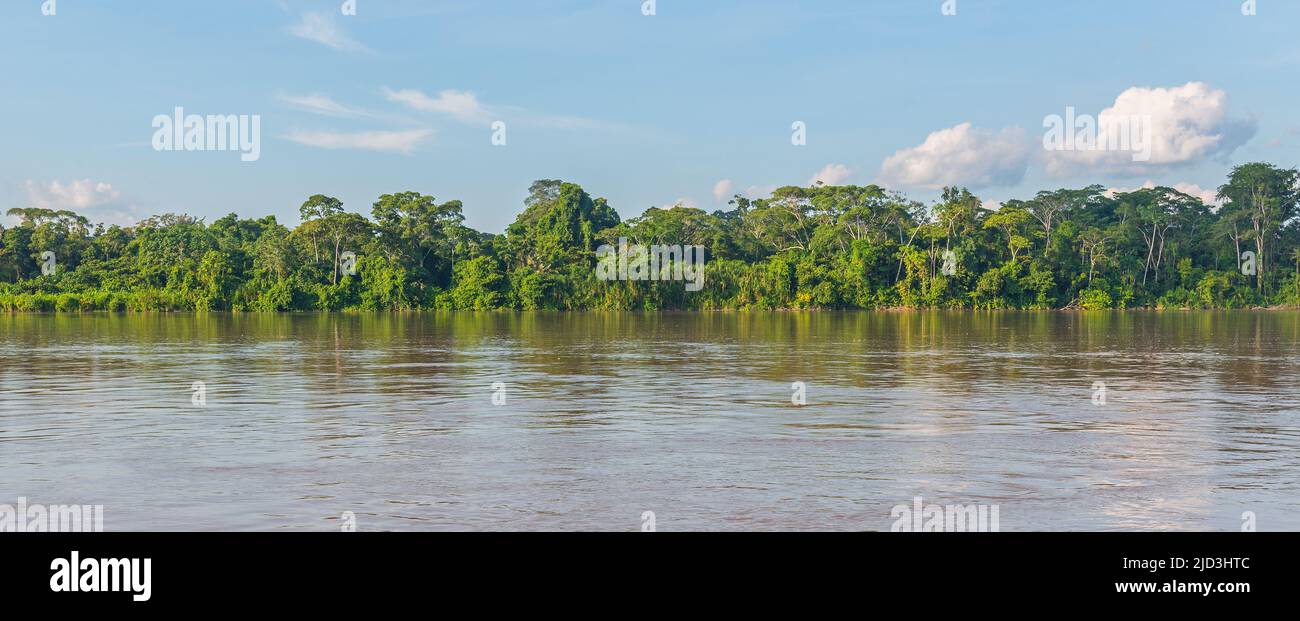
{"x":692,"y":103}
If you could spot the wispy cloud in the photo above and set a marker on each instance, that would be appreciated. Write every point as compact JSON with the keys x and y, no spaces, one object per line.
{"x":465,"y":107}
{"x":399,"y":141}
{"x":323,"y":28}
{"x":323,"y":105}
{"x":403,"y":142}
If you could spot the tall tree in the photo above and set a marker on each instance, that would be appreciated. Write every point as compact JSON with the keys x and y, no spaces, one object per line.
{"x":1267,"y":195}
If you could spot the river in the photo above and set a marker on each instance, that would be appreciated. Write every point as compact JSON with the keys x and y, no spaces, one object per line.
{"x":592,"y":421}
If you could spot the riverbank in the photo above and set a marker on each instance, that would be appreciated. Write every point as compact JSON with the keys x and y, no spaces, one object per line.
{"x":152,"y":303}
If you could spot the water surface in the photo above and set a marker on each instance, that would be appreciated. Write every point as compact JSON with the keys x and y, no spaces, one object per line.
{"x":609,"y":415}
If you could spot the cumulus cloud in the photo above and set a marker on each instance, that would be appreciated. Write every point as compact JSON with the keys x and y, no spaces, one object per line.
{"x":323,"y":28}
{"x":723,"y":190}
{"x":98,"y":201}
{"x":686,"y":202}
{"x":78,"y":194}
{"x":1187,"y":124}
{"x":962,"y":155}
{"x":1209,"y":197}
{"x":832,"y":174}
{"x":388,"y":141}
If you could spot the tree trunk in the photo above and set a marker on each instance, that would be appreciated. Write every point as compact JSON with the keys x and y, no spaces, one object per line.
{"x":1151,"y":246}
{"x":335,"y":275}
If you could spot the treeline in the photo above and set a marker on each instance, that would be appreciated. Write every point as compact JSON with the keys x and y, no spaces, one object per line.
{"x":823,"y":247}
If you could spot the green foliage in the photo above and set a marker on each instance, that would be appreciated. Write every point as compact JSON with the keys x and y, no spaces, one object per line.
{"x":820,"y":247}
{"x":1095,"y":299}
{"x":479,"y":285}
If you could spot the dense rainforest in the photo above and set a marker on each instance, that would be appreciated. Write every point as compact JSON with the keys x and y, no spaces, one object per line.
{"x":822,"y":247}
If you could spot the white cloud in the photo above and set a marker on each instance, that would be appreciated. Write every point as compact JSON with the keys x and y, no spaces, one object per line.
{"x":961,"y":156}
{"x":323,"y":28}
{"x":79,"y":194}
{"x":686,"y":202}
{"x":98,"y":201}
{"x":394,"y":141}
{"x":463,"y":106}
{"x":553,"y":121}
{"x":832,"y":174}
{"x":723,"y":190}
{"x":1188,"y":124}
{"x":1209,"y":197}
{"x":322,"y":105}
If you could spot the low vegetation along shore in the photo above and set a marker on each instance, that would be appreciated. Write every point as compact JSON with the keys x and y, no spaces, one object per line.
{"x":823,"y":247}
